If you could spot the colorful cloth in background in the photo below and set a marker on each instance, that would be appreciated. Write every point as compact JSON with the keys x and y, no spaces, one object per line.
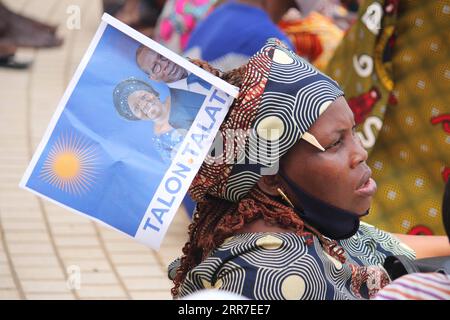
{"x":178,"y":19}
{"x":280,"y":266}
{"x":315,"y":37}
{"x":396,"y":81}
{"x":231,"y":34}
{"x":417,"y":286}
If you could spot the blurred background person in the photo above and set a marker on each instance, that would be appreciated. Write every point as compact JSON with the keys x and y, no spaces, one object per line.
{"x":235,"y":30}
{"x":20,"y":31}
{"x":138,"y":14}
{"x":316,"y":28}
{"x":177,"y":21}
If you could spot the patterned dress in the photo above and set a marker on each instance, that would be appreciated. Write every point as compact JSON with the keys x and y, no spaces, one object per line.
{"x":269,"y":266}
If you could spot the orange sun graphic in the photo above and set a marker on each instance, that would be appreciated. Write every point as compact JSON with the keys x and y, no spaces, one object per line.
{"x":71,"y":165}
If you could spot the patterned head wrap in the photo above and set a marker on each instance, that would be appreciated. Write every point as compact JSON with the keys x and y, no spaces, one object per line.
{"x":281,"y":97}
{"x":123,"y":90}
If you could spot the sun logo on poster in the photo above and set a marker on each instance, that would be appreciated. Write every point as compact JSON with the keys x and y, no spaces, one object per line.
{"x":71,"y":164}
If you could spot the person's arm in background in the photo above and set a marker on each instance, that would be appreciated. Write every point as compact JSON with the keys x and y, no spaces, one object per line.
{"x":426,"y":246}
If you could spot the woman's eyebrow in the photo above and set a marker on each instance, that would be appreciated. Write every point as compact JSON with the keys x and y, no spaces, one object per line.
{"x":337,"y":133}
{"x":340,"y":131}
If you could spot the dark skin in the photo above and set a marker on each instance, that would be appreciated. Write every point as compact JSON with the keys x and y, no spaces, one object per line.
{"x":334,"y":176}
{"x":331,"y":176}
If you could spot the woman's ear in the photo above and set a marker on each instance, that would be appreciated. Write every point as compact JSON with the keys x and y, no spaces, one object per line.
{"x":270,"y":184}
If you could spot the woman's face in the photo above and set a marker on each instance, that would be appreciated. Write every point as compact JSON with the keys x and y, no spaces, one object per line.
{"x":145,"y":105}
{"x":339,"y":175}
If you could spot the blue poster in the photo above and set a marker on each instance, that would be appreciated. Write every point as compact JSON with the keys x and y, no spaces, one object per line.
{"x":123,"y":146}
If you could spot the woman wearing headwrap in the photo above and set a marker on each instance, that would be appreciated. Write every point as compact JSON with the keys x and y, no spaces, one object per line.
{"x":295,"y":232}
{"x":137,"y":100}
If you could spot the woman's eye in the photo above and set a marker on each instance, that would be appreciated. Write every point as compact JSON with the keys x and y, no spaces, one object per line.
{"x":334,"y":144}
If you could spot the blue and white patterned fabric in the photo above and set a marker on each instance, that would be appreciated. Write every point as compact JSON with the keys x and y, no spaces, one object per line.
{"x":282,"y":95}
{"x":269,"y":266}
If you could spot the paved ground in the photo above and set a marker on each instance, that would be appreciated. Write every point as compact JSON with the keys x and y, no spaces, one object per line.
{"x":40,"y":242}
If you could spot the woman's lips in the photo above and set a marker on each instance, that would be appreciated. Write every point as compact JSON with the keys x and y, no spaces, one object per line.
{"x":368,"y":189}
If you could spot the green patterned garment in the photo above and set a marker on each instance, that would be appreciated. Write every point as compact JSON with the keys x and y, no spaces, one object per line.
{"x":278,"y":266}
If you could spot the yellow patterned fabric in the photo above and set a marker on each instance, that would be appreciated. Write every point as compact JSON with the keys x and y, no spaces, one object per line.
{"x":280,"y":266}
{"x":397,"y":81}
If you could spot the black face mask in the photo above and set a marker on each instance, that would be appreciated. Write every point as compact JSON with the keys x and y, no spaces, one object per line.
{"x":332,"y":222}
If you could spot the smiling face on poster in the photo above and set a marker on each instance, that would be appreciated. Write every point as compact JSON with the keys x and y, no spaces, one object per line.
{"x":129,"y":134}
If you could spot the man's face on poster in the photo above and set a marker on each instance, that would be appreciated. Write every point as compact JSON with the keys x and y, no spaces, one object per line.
{"x":158,"y":67}
{"x":145,"y":105}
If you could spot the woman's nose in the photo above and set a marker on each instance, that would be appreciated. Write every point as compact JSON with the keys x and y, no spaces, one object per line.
{"x":359,"y":154}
